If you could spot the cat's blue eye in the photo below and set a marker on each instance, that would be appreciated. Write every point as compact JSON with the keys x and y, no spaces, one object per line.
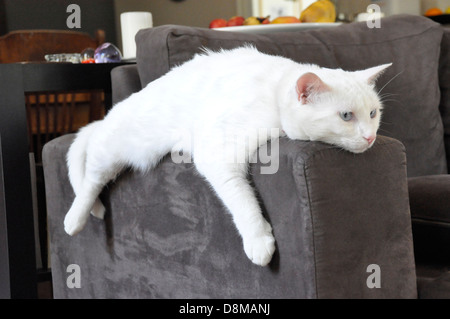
{"x":346,"y":116}
{"x":373,"y":113}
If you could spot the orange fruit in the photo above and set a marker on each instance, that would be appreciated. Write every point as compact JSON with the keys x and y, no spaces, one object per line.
{"x":433,"y":12}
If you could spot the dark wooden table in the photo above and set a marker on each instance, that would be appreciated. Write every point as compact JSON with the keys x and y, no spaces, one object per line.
{"x":18,"y":273}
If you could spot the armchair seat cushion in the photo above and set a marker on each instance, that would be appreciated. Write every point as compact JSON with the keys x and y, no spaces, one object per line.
{"x":430,"y":212}
{"x":436,"y":288}
{"x":430,"y":198}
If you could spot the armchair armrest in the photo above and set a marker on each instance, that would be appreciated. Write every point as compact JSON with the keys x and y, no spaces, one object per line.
{"x":335,"y":213}
{"x":124,"y":82}
{"x":166,"y":234}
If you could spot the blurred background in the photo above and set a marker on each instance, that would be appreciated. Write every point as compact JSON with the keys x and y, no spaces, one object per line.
{"x":105,"y":14}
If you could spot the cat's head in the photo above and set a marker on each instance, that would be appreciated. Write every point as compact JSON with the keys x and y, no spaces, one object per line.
{"x":336,"y":107}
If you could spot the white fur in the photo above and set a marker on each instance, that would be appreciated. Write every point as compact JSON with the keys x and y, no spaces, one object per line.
{"x":239,"y":90}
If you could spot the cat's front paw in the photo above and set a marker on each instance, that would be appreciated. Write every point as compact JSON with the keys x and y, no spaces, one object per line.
{"x":74,"y":222}
{"x":259,"y":249}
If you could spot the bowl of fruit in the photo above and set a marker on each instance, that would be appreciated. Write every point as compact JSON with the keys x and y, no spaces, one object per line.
{"x":320,"y":14}
{"x":439,"y":16}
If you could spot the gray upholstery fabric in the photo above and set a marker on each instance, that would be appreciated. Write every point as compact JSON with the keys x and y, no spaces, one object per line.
{"x":436,"y":288}
{"x":124,"y":81}
{"x":166,"y":234}
{"x":430,"y":198}
{"x":337,"y":197}
{"x":415,"y":90}
{"x":444,"y":83}
{"x":430,"y":212}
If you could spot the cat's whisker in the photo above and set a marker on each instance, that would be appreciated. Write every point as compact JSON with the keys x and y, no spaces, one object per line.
{"x":393,"y":78}
{"x":386,"y":123}
{"x":340,"y":149}
{"x":384,"y":131}
{"x":387,"y":94}
{"x":392,"y":100}
{"x":385,"y":99}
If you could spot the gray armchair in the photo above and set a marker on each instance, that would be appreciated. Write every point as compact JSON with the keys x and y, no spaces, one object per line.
{"x":343,"y":223}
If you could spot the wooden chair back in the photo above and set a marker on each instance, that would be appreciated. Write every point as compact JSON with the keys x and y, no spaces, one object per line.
{"x":51,"y":114}
{"x":33,"y":45}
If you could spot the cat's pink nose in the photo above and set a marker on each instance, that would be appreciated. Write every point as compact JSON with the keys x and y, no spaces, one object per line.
{"x":370,"y":139}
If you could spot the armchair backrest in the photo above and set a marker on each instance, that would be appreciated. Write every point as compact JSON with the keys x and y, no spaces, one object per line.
{"x":412,"y":114}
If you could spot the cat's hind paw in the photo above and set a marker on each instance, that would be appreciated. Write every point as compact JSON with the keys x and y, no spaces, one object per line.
{"x":260,"y":249}
{"x":98,"y":210}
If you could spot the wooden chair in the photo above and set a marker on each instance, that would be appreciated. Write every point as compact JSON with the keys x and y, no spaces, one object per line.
{"x":50,"y":114}
{"x":33,"y":45}
{"x":54,"y":113}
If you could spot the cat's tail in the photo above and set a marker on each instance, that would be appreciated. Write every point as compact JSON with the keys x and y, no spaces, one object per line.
{"x":76,"y":164}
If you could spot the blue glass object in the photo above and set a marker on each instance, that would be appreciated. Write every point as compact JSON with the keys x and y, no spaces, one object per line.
{"x":107,"y":53}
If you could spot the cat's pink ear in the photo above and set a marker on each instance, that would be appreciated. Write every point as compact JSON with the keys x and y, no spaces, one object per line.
{"x":309,"y":85}
{"x":372,"y":74}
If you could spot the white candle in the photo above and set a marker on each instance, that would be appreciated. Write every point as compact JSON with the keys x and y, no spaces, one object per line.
{"x":131,"y":23}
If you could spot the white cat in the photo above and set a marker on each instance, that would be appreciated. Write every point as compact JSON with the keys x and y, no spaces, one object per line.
{"x":241,"y":90}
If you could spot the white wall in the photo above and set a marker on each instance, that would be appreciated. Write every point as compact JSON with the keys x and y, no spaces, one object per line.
{"x":277,"y":8}
{"x":441,"y":4}
{"x":196,"y":13}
